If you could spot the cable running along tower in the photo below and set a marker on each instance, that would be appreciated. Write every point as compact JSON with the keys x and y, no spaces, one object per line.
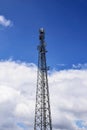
{"x":42,"y":108}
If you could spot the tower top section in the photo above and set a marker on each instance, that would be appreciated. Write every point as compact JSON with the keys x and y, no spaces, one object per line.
{"x":42,"y":34}
{"x":41,"y":30}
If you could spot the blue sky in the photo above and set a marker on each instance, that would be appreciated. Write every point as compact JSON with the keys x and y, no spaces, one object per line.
{"x":65,"y":23}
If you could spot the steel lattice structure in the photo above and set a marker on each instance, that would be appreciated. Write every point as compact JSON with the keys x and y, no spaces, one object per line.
{"x":42,"y":108}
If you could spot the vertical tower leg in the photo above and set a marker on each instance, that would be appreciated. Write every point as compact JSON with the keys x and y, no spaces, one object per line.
{"x":42,"y":108}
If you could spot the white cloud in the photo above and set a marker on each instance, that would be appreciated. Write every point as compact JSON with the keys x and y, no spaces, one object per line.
{"x":80,"y":66}
{"x":68,"y":94}
{"x":5,"y":22}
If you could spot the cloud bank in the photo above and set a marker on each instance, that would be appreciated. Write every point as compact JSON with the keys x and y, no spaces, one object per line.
{"x":5,"y":22}
{"x":68,"y":96}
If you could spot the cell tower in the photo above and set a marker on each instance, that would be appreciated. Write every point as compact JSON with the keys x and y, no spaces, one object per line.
{"x":42,"y":108}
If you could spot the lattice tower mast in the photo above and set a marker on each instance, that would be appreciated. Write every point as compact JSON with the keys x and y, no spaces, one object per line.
{"x":42,"y":108}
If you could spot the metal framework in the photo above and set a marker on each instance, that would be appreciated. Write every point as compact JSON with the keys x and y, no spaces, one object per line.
{"x":42,"y":108}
